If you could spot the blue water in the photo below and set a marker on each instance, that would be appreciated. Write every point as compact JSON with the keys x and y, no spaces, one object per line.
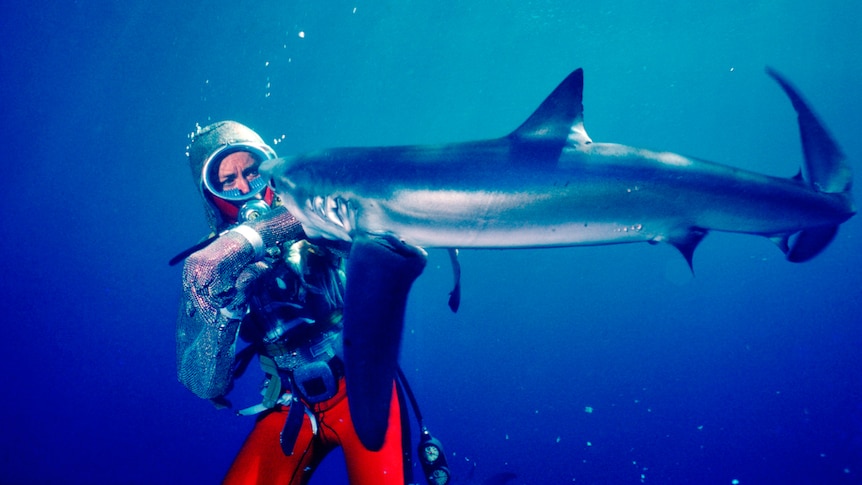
{"x":608,"y":365}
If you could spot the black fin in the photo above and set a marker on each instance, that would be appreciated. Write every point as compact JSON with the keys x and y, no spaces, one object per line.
{"x":825,"y":171}
{"x":824,"y":161}
{"x":557,"y":121}
{"x":380,"y":272}
{"x":809,"y":242}
{"x":455,"y":294}
{"x":687,"y":244}
{"x":188,"y":252}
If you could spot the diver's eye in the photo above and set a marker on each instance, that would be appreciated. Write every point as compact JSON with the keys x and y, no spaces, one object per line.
{"x":228,"y":182}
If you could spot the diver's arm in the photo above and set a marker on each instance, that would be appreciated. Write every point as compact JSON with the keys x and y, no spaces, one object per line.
{"x":214,"y":300}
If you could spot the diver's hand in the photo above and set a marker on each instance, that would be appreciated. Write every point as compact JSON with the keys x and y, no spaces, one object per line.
{"x":270,"y":230}
{"x":246,"y":280}
{"x":215,"y":271}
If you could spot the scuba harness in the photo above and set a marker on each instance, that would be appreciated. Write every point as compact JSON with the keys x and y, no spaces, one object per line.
{"x":295,"y":328}
{"x":432,"y":457}
{"x":298,"y":350}
{"x":310,"y":373}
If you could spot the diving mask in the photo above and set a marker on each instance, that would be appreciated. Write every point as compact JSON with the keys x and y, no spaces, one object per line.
{"x":232,"y":171}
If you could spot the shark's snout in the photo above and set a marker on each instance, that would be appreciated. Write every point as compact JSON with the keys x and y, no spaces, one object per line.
{"x":268,"y":168}
{"x":274,"y":172}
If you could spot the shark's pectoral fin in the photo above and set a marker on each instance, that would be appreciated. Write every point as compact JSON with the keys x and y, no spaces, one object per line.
{"x":380,"y":271}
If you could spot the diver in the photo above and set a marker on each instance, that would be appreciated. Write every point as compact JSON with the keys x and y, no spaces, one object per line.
{"x":258,"y":279}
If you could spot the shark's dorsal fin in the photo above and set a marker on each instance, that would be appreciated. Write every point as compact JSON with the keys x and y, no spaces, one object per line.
{"x":559,"y":119}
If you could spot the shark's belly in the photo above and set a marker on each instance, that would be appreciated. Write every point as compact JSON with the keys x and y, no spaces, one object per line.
{"x":464,"y":220}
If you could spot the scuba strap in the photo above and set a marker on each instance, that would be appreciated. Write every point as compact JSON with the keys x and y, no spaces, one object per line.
{"x":272,"y":393}
{"x":272,"y":389}
{"x":432,"y":457}
{"x":273,"y":396}
{"x":292,"y":425}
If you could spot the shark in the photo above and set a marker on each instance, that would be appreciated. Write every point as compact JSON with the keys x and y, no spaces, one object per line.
{"x":546,"y":184}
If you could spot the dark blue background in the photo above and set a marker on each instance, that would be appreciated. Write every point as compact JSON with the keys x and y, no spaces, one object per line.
{"x":748,"y":371}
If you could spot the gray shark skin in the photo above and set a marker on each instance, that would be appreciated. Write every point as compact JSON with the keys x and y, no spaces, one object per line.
{"x":544,"y":185}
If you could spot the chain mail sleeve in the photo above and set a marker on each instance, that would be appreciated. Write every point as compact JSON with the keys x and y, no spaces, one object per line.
{"x":214,"y":300}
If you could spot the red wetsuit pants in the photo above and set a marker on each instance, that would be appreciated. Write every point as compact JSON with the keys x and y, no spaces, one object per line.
{"x":261,"y":461}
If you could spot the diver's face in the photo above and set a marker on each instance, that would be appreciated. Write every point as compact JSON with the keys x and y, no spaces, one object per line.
{"x":236,"y":171}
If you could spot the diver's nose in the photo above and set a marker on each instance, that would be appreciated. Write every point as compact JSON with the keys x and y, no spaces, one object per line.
{"x":242,"y":185}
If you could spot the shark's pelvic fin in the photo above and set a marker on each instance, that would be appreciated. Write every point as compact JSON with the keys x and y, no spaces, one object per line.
{"x":687,"y":244}
{"x":558,"y":121}
{"x":380,"y":272}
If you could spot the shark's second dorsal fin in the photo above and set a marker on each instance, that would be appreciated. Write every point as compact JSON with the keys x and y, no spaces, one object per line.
{"x":559,"y":119}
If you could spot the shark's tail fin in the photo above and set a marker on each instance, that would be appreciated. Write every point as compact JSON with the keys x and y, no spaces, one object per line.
{"x":824,"y":170}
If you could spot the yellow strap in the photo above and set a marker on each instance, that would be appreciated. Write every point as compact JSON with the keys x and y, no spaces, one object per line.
{"x":272,"y":393}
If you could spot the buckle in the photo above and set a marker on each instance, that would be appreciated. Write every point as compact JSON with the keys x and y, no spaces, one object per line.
{"x":315,"y":381}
